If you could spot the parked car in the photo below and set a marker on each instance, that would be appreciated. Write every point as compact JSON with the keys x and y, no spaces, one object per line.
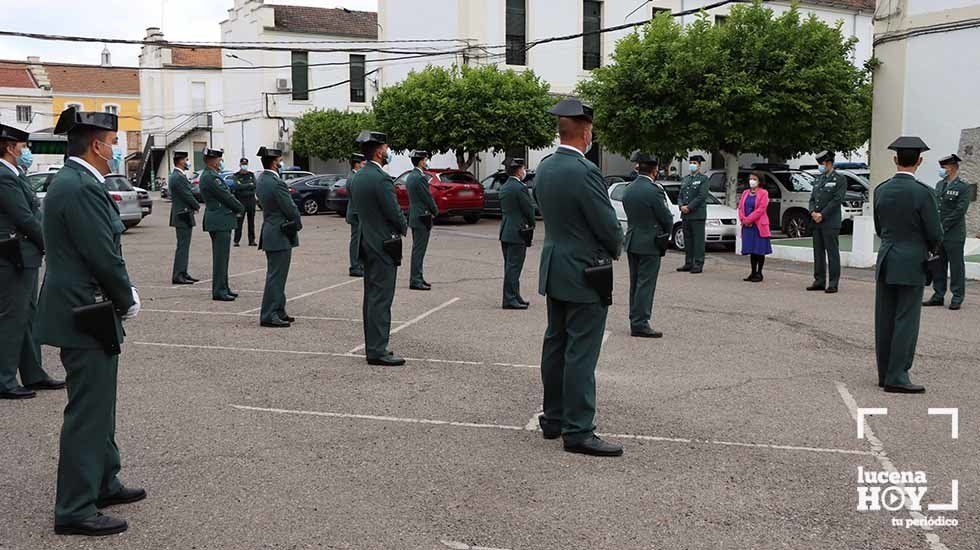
{"x":491,"y":192}
{"x":289,"y":175}
{"x":858,"y":192}
{"x":337,"y":197}
{"x":720,"y":227}
{"x":310,"y":193}
{"x":145,"y":200}
{"x":127,"y":199}
{"x":789,"y":194}
{"x":456,"y":192}
{"x":39,"y":181}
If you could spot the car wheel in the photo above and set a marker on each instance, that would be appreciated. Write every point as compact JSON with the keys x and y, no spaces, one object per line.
{"x":311,"y":207}
{"x":795,"y":225}
{"x":678,"y":237}
{"x":471,"y":218}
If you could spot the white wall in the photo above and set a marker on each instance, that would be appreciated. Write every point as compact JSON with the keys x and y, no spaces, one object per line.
{"x":919,"y":7}
{"x":39,"y":102}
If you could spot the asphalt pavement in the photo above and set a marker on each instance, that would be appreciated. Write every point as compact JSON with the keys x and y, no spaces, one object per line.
{"x":740,"y":425}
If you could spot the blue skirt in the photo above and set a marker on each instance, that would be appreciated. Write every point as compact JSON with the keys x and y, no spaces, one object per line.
{"x":753,"y":243}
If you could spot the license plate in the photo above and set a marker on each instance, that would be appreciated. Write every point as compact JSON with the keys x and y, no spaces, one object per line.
{"x":146,"y":210}
{"x":466,"y":194}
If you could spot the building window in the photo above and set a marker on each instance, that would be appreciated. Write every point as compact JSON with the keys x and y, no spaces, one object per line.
{"x":24,"y":113}
{"x":721,"y":20}
{"x":357,"y":79}
{"x":516,"y":32}
{"x":592,"y":40}
{"x":301,"y":76}
{"x":112,"y":109}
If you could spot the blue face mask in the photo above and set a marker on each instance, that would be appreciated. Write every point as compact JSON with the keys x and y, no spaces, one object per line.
{"x":943,"y":173}
{"x":221,"y":166}
{"x":822,"y":168}
{"x":693,"y":167}
{"x":389,"y":157}
{"x":26,"y":158}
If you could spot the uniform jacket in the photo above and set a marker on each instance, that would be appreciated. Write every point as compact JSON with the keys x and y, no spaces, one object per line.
{"x":182,"y":199}
{"x":517,"y":210}
{"x":580,"y":225}
{"x":277,"y":208}
{"x":244,"y":187}
{"x":420,"y":201}
{"x":907,"y":220}
{"x":20,"y":214}
{"x":827,"y":197}
{"x":648,"y":215}
{"x":760,"y":216}
{"x":220,"y":206}
{"x":954,"y":201}
{"x":378,"y":214}
{"x":84,"y":257}
{"x":351,"y":215}
{"x":694,"y":194}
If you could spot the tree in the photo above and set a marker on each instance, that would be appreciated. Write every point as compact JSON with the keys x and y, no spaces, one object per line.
{"x":776,"y":86}
{"x":329,"y":134}
{"x":466,"y":110}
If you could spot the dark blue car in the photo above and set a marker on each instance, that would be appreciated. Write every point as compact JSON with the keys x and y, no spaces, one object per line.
{"x":310,"y":193}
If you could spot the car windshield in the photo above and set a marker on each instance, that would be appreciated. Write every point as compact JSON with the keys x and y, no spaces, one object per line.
{"x":117,"y":183}
{"x":797,"y":181}
{"x":457,"y":177}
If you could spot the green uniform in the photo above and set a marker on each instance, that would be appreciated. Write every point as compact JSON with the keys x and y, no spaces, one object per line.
{"x":580,"y":228}
{"x":182,"y":200}
{"x":19,"y":216}
{"x":827,"y":197}
{"x":420,"y":203}
{"x":648,"y":215}
{"x":954,"y":200}
{"x":694,"y":195}
{"x":517,"y":210}
{"x":356,"y":266}
{"x":221,"y":210}
{"x":245,"y":193}
{"x":907,"y":221}
{"x":373,"y":198}
{"x":277,"y":208}
{"x":82,"y":231}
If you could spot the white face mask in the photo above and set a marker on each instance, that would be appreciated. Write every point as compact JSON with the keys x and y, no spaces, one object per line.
{"x":822,"y":168}
{"x":753,"y":183}
{"x":693,"y":167}
{"x":943,"y":173}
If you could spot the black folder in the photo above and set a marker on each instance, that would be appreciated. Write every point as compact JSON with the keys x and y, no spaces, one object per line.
{"x":10,"y":251}
{"x":600,"y":278}
{"x":393,"y":248}
{"x":98,"y":320}
{"x":526,"y":233}
{"x":663,"y":242}
{"x":185,"y":216}
{"x":934,"y":267}
{"x":289,"y":229}
{"x":426,"y":220}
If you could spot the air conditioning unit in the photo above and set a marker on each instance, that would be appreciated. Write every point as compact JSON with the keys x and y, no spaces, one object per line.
{"x":282,"y":84}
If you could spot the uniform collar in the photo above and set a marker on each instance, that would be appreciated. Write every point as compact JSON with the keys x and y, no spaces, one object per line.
{"x":181,"y":170}
{"x":570,"y":148}
{"x":79,"y":161}
{"x":378,"y":164}
{"x":638,"y":176}
{"x":903,"y":173}
{"x":11,"y":166}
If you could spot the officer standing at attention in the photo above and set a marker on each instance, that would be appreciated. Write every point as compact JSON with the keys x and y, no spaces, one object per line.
{"x":645,"y":202}
{"x":85,"y":265}
{"x":356,"y":267}
{"x":580,"y":229}
{"x":221,"y":210}
{"x":280,"y":227}
{"x":953,"y":195}
{"x":380,"y":219}
{"x":825,"y":212}
{"x":422,"y":210}
{"x":20,"y":227}
{"x":907,"y":221}
{"x":517,"y":212}
{"x":245,"y":193}
{"x":693,"y":202}
{"x":183,"y":206}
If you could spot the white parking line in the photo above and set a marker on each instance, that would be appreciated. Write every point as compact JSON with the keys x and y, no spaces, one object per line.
{"x":233,"y":314}
{"x":878,"y":451}
{"x":191,"y":288}
{"x":454,"y":545}
{"x":308,"y":294}
{"x":534,"y":423}
{"x":413,"y":321}
{"x":426,"y":421}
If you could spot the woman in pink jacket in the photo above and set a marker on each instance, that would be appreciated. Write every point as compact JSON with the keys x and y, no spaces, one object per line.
{"x":756,"y":237}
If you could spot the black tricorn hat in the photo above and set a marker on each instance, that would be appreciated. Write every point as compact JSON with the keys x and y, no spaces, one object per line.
{"x":72,"y":118}
{"x":9,"y":133}
{"x":213,"y":153}
{"x":514,"y":163}
{"x":267,"y":152}
{"x":368,"y":136}
{"x":952,"y":159}
{"x":420,"y":154}
{"x":572,"y":108}
{"x":180,"y":155}
{"x":696,"y":158}
{"x":357,"y":157}
{"x":644,"y":158}
{"x":243,"y":161}
{"x":909,"y":143}
{"x":826,"y":156}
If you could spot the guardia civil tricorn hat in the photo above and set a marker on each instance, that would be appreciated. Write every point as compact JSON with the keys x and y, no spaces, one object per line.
{"x":952,"y":159}
{"x":71,"y":118}
{"x":267,"y":152}
{"x":909,"y":143}
{"x":572,"y":108}
{"x":9,"y":133}
{"x":368,"y":136}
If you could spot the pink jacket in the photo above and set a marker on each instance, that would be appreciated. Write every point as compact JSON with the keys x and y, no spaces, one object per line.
{"x":759,"y":217}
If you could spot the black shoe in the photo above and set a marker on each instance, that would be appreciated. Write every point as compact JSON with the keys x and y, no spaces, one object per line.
{"x":420,"y":287}
{"x":288,"y":318}
{"x":648,"y":333}
{"x":955,"y":306}
{"x":18,"y":393}
{"x":191,"y":279}
{"x":684,"y":268}
{"x":523,"y":301}
{"x":696,"y":270}
{"x":595,"y":447}
{"x":123,"y":496}
{"x":233,"y":294}
{"x":390,"y":360}
{"x":905,"y":388}
{"x":181,"y":280}
{"x":831,"y":290}
{"x":224,"y":298}
{"x":750,"y":278}
{"x":758,"y":278}
{"x":237,"y":245}
{"x":550,"y":434}
{"x":516,"y":306}
{"x":253,"y":244}
{"x":935,"y":301}
{"x":817,"y":288}
{"x":275,"y":323}
{"x":49,"y":384}
{"x":98,"y":525}
{"x":355,"y":273}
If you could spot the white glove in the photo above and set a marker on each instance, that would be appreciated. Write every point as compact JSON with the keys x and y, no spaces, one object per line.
{"x":135,"y":309}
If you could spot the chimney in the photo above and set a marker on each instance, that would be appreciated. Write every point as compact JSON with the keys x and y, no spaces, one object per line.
{"x":38,"y":71}
{"x":154,"y":34}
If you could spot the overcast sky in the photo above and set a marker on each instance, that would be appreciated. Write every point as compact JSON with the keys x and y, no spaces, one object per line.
{"x":179,"y":19}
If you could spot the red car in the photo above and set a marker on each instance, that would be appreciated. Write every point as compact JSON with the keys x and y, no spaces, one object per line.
{"x":457,"y":193}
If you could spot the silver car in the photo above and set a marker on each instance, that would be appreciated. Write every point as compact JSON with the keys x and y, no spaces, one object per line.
{"x":127,"y":199}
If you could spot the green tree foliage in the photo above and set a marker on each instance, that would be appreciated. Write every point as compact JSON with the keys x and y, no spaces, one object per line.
{"x":466,"y":110}
{"x":330,"y":134}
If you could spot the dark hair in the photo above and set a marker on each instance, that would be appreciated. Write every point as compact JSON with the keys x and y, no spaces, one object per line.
{"x":368,"y":150}
{"x":647,"y":168}
{"x":354,"y":163}
{"x":267,"y":162}
{"x":907,"y":157}
{"x":513,"y":170}
{"x":571,"y":127}
{"x":762,"y":180}
{"x":80,"y":139}
{"x":417,"y":160}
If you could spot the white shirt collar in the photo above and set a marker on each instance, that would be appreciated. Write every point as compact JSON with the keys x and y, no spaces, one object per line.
{"x":98,"y":175}
{"x":11,"y":166}
{"x":378,"y":164}
{"x":905,"y":173}
{"x":645,"y":176}
{"x":570,"y":148}
{"x":419,"y":170}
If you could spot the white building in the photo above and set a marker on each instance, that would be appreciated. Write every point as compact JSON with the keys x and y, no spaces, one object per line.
{"x":266,"y":90}
{"x":565,"y":63}
{"x":181,"y":104}
{"x":25,"y":103}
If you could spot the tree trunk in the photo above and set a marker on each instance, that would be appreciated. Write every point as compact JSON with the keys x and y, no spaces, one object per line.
{"x":731,"y":177}
{"x":464,"y":160}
